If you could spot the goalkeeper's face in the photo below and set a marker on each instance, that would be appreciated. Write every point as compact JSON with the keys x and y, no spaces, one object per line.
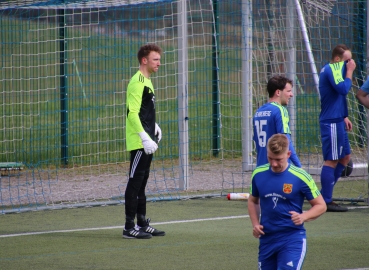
{"x":153,"y":62}
{"x":286,"y":94}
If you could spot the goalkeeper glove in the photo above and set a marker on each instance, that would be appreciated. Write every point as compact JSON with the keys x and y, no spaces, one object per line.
{"x":149,"y":145}
{"x":365,"y":86}
{"x":158,"y":132}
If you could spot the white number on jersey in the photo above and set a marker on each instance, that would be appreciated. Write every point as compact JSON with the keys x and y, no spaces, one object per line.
{"x":261,"y":134}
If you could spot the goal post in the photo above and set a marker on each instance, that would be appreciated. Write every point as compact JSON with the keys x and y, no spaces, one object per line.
{"x":182,"y":96}
{"x":247,"y":94}
{"x":367,"y":75}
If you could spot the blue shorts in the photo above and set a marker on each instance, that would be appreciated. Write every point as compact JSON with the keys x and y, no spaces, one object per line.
{"x":335,"y":142}
{"x":285,"y":251}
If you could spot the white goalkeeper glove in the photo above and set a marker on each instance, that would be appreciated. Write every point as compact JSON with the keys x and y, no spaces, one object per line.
{"x":158,"y":132}
{"x":149,"y":145}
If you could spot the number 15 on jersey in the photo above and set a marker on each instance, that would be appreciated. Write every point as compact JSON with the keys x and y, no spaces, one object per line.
{"x":261,"y":134}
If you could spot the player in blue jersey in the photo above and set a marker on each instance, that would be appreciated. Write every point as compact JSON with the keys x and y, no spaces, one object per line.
{"x":362,"y":94}
{"x":277,"y":194}
{"x":273,"y":118}
{"x":335,"y":81}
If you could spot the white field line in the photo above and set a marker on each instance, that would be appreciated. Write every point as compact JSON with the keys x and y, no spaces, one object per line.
{"x":157,"y":223}
{"x":120,"y":227}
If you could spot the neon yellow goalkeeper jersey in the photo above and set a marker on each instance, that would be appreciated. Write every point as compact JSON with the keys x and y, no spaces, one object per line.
{"x":140,"y":110}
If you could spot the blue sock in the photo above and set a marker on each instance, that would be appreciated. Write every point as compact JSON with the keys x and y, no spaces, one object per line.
{"x":327,"y":181}
{"x":338,"y":171}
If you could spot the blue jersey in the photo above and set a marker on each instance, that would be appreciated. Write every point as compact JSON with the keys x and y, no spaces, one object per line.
{"x":271,"y":118}
{"x":333,"y":89}
{"x":280,"y":193}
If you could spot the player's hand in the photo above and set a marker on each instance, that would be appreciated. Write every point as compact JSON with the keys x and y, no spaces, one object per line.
{"x":351,"y":65}
{"x":348,"y":124}
{"x":158,"y":132}
{"x":257,"y":231}
{"x":297,"y":218}
{"x":149,"y":145}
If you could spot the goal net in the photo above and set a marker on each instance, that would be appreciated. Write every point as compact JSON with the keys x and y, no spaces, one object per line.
{"x":65,"y":66}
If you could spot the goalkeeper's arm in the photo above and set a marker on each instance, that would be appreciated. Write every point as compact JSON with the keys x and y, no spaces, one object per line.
{"x":148,"y":144}
{"x":134,"y":101}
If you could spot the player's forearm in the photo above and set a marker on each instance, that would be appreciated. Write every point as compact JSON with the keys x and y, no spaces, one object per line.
{"x":349,"y":74}
{"x":363,"y":98}
{"x":343,"y":88}
{"x":254,"y":213}
{"x":255,"y":219}
{"x":314,"y":212}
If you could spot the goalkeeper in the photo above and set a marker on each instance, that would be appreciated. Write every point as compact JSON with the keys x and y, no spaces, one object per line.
{"x":141,"y":131}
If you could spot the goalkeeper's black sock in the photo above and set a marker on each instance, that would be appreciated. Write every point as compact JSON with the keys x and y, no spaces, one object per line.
{"x":130,"y":223}
{"x":141,"y":220}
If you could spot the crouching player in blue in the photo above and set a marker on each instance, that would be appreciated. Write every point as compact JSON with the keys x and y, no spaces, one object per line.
{"x":278,"y":191}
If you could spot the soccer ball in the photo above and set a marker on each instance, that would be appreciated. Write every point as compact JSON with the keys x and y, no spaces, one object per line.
{"x":348,"y":170}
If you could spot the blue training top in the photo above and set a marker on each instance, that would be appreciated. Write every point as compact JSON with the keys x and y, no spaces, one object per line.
{"x":280,"y":193}
{"x":333,"y":89}
{"x":271,"y":118}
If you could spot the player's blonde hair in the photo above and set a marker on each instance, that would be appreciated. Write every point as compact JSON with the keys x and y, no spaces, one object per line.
{"x":278,"y":144}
